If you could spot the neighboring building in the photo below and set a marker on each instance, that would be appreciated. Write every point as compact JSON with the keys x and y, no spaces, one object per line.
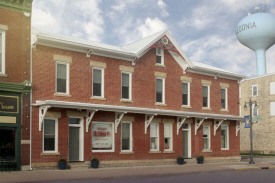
{"x":144,"y":103}
{"x":262,"y":90}
{"x":15,"y":86}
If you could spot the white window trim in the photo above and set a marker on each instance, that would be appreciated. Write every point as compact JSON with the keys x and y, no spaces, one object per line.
{"x":188,"y":99}
{"x":227,"y":137}
{"x":56,"y":136}
{"x":161,"y":54}
{"x":157,"y":136}
{"x":253,"y":111}
{"x":67,"y":79}
{"x":272,"y":92}
{"x":226,"y":98}
{"x":240,"y":92}
{"x":171,"y":148}
{"x":209,"y":140}
{"x":102,"y":79}
{"x":130,"y":85}
{"x":81,"y":136}
{"x":163,"y":90}
{"x":257,"y":91}
{"x":3,"y":33}
{"x":131,"y":137}
{"x":113,"y":137}
{"x":208,"y":97}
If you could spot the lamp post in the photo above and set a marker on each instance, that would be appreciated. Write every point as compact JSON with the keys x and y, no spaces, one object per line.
{"x":250,"y":119}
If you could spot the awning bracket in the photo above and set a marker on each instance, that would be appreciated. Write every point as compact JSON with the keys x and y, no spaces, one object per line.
{"x":118,"y":118}
{"x":217,"y":125}
{"x":42,"y":113}
{"x":148,"y":120}
{"x":180,"y":121}
{"x":198,"y":124}
{"x":238,"y":127}
{"x":89,"y":116}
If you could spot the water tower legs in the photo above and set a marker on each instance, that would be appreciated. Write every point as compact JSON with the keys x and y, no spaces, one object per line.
{"x":260,"y":61}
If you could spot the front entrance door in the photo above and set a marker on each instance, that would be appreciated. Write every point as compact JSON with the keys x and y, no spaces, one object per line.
{"x":185,"y":144}
{"x":75,"y":139}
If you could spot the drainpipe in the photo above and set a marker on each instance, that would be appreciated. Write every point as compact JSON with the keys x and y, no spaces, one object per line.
{"x":31,"y":111}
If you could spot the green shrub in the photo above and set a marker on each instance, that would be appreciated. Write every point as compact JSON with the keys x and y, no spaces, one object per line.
{"x":201,"y":156}
{"x":94,"y":159}
{"x":62,"y":160}
{"x":180,"y":157}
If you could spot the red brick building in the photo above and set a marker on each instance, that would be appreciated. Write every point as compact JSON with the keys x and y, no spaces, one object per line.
{"x":15,"y":85}
{"x":144,"y":103}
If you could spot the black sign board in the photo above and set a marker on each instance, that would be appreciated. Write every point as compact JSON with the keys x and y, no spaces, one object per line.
{"x":8,"y":104}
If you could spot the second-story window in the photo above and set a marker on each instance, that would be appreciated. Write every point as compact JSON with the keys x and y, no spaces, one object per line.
{"x":62,"y":77}
{"x":185,"y":94}
{"x":160,"y":56}
{"x":126,"y":85}
{"x":98,"y":82}
{"x":224,"y":98}
{"x":254,"y":90}
{"x":206,"y":96}
{"x":160,"y":90}
{"x":2,"y":52}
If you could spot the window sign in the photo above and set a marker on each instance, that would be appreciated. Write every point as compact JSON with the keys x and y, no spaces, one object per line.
{"x":9,"y":104}
{"x":102,"y":136}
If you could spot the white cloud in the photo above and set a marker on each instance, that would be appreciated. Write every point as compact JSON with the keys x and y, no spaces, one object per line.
{"x":151,"y":26}
{"x":162,"y":6}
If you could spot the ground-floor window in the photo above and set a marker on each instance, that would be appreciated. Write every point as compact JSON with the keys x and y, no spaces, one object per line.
{"x":7,"y":144}
{"x":168,"y":137}
{"x":154,"y":137}
{"x":206,"y":137}
{"x":224,"y":137}
{"x":102,"y":137}
{"x":126,"y":136}
{"x":50,"y":135}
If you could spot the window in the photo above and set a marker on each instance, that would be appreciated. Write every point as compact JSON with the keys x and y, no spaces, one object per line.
{"x":102,"y":137}
{"x":62,"y":77}
{"x":126,"y":79}
{"x":160,"y":90}
{"x":240,"y":92}
{"x":224,"y":98}
{"x":98,"y":82}
{"x":2,"y":52}
{"x":160,"y":56}
{"x":254,"y":90}
{"x":185,"y":93}
{"x":206,"y":137}
{"x":254,"y":111}
{"x":126,"y":136}
{"x":50,"y":135}
{"x":168,"y":141}
{"x":272,"y":108}
{"x":272,"y":88}
{"x":206,"y":96}
{"x":154,"y":137}
{"x":224,"y":137}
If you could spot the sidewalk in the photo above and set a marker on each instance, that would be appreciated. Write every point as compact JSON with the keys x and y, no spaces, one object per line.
{"x":111,"y":173}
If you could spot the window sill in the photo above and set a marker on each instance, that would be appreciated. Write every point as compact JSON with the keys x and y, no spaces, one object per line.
{"x":127,"y":152}
{"x":225,"y":149}
{"x":168,"y":152}
{"x":224,"y":110}
{"x":154,"y":152}
{"x":206,"y":150}
{"x":126,"y":101}
{"x":160,"y":104}
{"x":4,"y":75}
{"x":62,"y":95}
{"x":50,"y":154}
{"x":185,"y":106}
{"x":98,"y":98}
{"x":159,"y":65}
{"x":206,"y":108}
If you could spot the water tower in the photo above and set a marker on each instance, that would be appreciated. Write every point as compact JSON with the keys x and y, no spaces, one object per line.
{"x":257,"y":32}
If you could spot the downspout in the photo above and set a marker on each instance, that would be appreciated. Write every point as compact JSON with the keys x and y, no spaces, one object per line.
{"x":31,"y":111}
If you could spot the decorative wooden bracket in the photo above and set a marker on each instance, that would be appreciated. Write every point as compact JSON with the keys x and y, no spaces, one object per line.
{"x":217,"y":125}
{"x":148,"y":120}
{"x":42,"y":113}
{"x":180,"y":121}
{"x":198,"y":124}
{"x":118,"y":118}
{"x":89,"y":53}
{"x":89,"y":117}
{"x":238,"y":127}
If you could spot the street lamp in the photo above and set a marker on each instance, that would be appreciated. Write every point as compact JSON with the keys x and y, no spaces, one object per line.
{"x":250,"y":119}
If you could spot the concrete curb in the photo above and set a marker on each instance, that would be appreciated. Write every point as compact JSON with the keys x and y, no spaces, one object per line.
{"x":254,"y":168}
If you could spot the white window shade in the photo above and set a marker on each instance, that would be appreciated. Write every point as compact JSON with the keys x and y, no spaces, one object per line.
{"x":153,"y":130}
{"x":167,"y":131}
{"x":272,"y":88}
{"x":272,"y":108}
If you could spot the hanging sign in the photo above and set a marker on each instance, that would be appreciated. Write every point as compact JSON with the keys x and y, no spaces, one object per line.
{"x":9,"y":104}
{"x":257,"y":118}
{"x":246,"y":122}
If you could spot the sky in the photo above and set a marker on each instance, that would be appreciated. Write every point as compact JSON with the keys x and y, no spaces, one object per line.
{"x":204,"y":29}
